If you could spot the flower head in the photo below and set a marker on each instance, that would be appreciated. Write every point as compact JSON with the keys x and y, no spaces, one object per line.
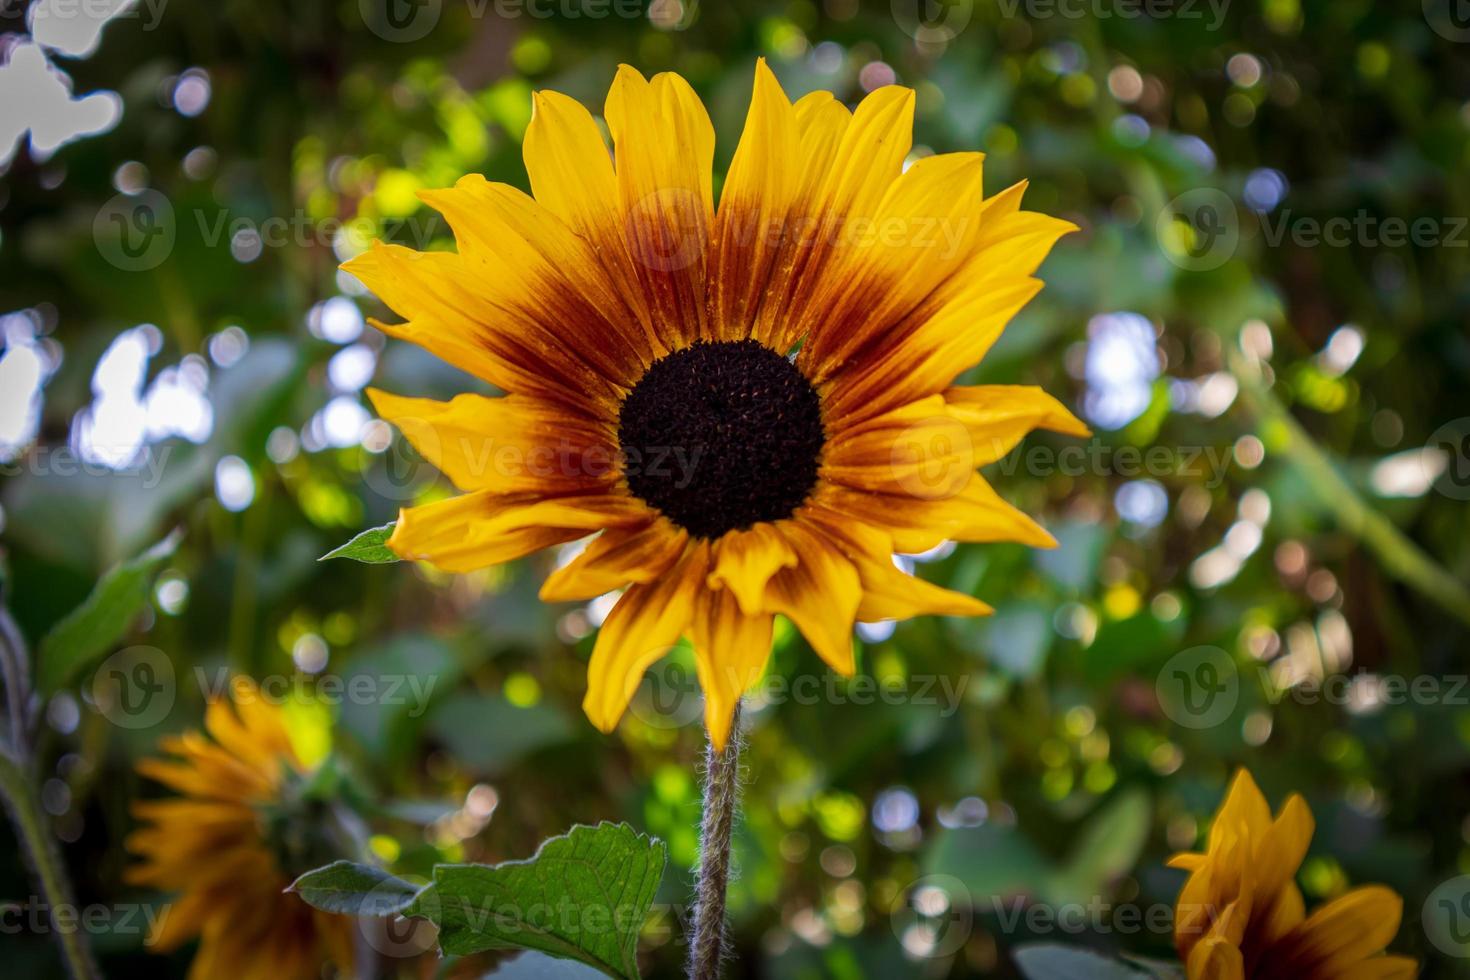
{"x":240,"y":835}
{"x":1241,"y":914}
{"x":753,"y":407}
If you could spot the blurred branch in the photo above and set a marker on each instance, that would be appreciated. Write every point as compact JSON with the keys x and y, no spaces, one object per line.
{"x":45,"y":860}
{"x":16,"y":673}
{"x":18,"y":788}
{"x":1400,"y":557}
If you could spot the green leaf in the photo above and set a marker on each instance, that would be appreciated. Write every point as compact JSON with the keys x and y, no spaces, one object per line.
{"x":1106,"y":849}
{"x":1051,"y":962}
{"x":354,"y":889}
{"x":488,"y":734}
{"x":103,"y":617}
{"x":990,"y":860}
{"x":371,"y":547}
{"x":583,"y":896}
{"x":1155,"y":968}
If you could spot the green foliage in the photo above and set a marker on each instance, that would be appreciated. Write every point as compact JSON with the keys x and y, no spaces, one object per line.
{"x":369,"y":547}
{"x":1067,"y":963}
{"x":583,"y":896}
{"x":97,"y":624}
{"x":348,"y":888}
{"x":1031,"y":754}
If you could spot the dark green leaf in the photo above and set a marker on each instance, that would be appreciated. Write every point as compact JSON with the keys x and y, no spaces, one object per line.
{"x":371,"y":547}
{"x":489,"y":734}
{"x":354,"y":889}
{"x":1107,"y":848}
{"x":583,"y":896}
{"x":1157,"y":969}
{"x":1048,"y":962}
{"x":103,"y":617}
{"x":990,"y":860}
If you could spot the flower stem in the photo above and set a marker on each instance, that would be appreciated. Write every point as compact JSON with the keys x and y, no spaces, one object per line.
{"x":17,"y":789}
{"x":45,"y":860}
{"x":721,"y":798}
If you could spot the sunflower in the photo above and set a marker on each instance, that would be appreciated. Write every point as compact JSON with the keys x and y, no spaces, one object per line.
{"x":751,"y":407}
{"x":240,"y":835}
{"x":1240,"y":914}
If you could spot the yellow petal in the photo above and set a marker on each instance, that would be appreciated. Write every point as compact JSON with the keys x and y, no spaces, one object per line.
{"x":959,"y":321}
{"x":569,"y":166}
{"x":841,"y":208}
{"x":1217,"y":900}
{"x":821,"y":122}
{"x":922,"y":231}
{"x":889,"y":592}
{"x":646,"y":622}
{"x":572,"y":176}
{"x":180,"y":920}
{"x":1382,"y":968}
{"x":1243,"y":805}
{"x":1345,"y":931}
{"x":1216,"y":959}
{"x":870,"y":155}
{"x":479,"y":529}
{"x":448,"y":317}
{"x":664,"y":148}
{"x":232,"y":735}
{"x":949,"y":341}
{"x":730,"y":651}
{"x":998,"y":417}
{"x":532,"y":269}
{"x":511,"y":444}
{"x":1281,"y":849}
{"x":1284,"y":913}
{"x":744,"y":562}
{"x":978,"y":513}
{"x":820,"y":595}
{"x":918,"y":450}
{"x":615,"y":558}
{"x":754,"y":205}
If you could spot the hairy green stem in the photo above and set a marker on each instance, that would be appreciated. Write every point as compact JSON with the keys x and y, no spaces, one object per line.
{"x":707,"y":948}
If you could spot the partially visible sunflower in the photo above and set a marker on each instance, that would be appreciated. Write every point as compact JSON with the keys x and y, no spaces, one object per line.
{"x":754,"y":406}
{"x":229,"y":848}
{"x":1241,"y":914}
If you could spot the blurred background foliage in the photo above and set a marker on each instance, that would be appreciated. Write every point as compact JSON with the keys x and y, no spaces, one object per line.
{"x":1307,"y":515}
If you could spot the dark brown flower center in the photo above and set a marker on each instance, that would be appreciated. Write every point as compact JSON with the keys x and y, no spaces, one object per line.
{"x":720,"y":436}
